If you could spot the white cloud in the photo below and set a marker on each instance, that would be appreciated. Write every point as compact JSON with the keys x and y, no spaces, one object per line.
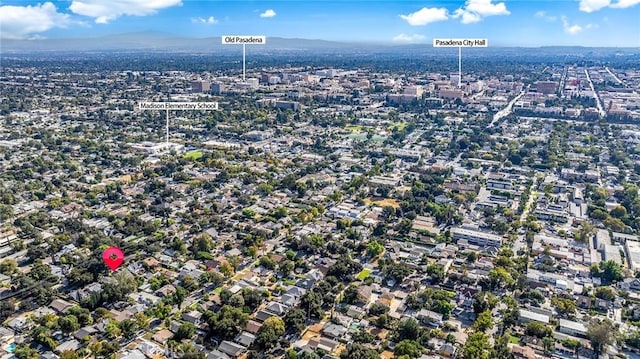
{"x":268,"y":13}
{"x":104,"y":11}
{"x":476,"y":10}
{"x":544,"y":15}
{"x":467,"y":17}
{"x":426,"y":16}
{"x":408,"y":39}
{"x":575,"y":28}
{"x":203,"y":20}
{"x":622,"y":4}
{"x":19,"y":22}
{"x":486,"y":7}
{"x":593,"y":5}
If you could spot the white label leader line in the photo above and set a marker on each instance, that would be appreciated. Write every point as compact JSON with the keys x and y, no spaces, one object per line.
{"x":185,"y":106}
{"x":460,"y":43}
{"x":244,"y":40}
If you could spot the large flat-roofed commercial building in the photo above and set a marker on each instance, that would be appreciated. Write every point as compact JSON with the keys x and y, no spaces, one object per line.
{"x":499,"y":183}
{"x":200,"y":86}
{"x":528,"y":316}
{"x":217,"y":88}
{"x":478,"y":238}
{"x":546,"y":87}
{"x":287,"y":105}
{"x":572,"y":328}
{"x":157,"y":148}
{"x":633,"y":254}
{"x":450,"y":94}
{"x":385,"y":181}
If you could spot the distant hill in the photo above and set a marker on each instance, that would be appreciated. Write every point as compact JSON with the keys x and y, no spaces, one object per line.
{"x":157,"y":41}
{"x":151,"y":41}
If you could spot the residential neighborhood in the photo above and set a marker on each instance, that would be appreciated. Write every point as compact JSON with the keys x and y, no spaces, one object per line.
{"x":320,"y":212}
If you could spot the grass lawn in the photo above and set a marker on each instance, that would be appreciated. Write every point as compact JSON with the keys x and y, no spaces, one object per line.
{"x":289,"y":281}
{"x":194,"y":183}
{"x":363,"y":274}
{"x":399,"y":125}
{"x":193,"y":155}
{"x":353,"y":128}
{"x":218,"y":290}
{"x":514,"y":340}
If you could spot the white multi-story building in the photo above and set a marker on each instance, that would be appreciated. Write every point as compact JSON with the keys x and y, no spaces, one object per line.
{"x":478,"y":238}
{"x":414,"y":91}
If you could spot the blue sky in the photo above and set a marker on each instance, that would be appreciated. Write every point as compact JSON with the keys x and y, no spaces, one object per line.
{"x":504,"y":23}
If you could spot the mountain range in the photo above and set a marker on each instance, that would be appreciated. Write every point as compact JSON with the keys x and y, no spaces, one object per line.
{"x":152,"y":41}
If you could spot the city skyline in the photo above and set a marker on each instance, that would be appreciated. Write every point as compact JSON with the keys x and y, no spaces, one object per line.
{"x":504,"y":23}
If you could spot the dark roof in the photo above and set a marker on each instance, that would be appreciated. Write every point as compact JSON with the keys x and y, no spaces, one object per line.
{"x":263,"y":315}
{"x":83,"y":332}
{"x":231,"y":348}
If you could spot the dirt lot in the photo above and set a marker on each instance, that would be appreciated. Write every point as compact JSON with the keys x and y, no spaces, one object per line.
{"x":381,"y":202}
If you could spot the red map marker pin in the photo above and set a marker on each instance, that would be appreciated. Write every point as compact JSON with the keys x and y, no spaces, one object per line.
{"x":113,"y":257}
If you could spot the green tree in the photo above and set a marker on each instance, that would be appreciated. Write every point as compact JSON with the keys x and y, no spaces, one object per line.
{"x":501,"y":348}
{"x":564,"y":305}
{"x":538,"y":330}
{"x":408,"y":329}
{"x":129,"y":327}
{"x":477,"y":346}
{"x":211,"y":277}
{"x":252,"y":298}
{"x":68,"y":323}
{"x":268,"y":262}
{"x":601,"y":333}
{"x":549,"y":344}
{"x":610,"y":272}
{"x":377,"y":309}
{"x":606,"y":293}
{"x":113,"y":329}
{"x":408,"y":348}
{"x":69,"y":354}
{"x":500,"y":277}
{"x":227,"y":322}
{"x":619,"y":212}
{"x":633,"y":339}
{"x":117,"y":290}
{"x":311,"y":303}
{"x":383,"y":321}
{"x":358,"y":351}
{"x":436,"y":271}
{"x":248,"y":212}
{"x":374,"y":248}
{"x":286,"y":267}
{"x":269,"y":333}
{"x":350,"y":295}
{"x":24,"y":351}
{"x":8,"y":266}
{"x":189,"y":283}
{"x":185,"y":331}
{"x":295,"y":320}
{"x":203,"y":243}
{"x":6,"y":212}
{"x":142,"y":320}
{"x":483,"y":321}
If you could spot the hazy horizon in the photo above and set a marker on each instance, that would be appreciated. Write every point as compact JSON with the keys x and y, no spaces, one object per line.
{"x":159,"y":36}
{"x":589,"y":23}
